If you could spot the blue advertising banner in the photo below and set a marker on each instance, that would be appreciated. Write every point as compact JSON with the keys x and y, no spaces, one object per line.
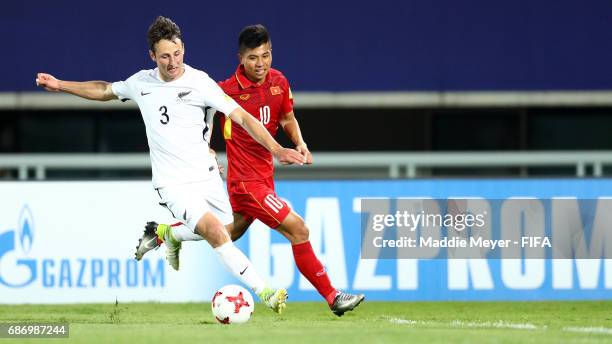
{"x":332,"y":212}
{"x":69,"y":242}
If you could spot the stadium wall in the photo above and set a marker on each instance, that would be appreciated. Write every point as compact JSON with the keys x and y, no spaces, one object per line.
{"x":476,"y":45}
{"x":71,"y":242}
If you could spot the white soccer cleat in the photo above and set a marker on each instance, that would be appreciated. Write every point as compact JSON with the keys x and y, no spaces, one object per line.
{"x":148,"y":241}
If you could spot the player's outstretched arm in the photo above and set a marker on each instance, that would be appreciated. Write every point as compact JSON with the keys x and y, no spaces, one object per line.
{"x":285,"y":156}
{"x":94,"y":90}
{"x":292,"y":129}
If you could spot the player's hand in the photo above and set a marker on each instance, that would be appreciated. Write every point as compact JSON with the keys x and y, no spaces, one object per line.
{"x":303,"y":149}
{"x":48,"y":82}
{"x":288,"y":156}
{"x":219,"y":165}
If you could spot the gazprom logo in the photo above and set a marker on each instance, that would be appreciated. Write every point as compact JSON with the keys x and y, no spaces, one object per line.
{"x":25,"y":234}
{"x":18,"y":269}
{"x":26,"y":229}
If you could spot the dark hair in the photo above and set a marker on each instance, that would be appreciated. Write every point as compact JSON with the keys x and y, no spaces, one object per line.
{"x":162,"y":28}
{"x":252,"y":36}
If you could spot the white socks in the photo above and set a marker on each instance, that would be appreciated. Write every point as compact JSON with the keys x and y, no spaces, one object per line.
{"x":184,"y":233}
{"x":232,"y":258}
{"x":239,"y":265}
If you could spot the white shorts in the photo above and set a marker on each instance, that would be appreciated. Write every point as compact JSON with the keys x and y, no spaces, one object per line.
{"x":189,"y":202}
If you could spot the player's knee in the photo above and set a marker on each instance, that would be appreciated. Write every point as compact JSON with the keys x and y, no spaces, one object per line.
{"x":294,"y":229}
{"x":301,"y":232}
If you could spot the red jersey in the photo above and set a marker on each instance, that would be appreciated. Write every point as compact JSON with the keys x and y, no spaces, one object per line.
{"x":268,"y":102}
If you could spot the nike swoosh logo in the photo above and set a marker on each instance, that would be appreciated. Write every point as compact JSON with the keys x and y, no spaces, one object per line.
{"x":144,"y":94}
{"x":245,"y":269}
{"x":151,"y":244}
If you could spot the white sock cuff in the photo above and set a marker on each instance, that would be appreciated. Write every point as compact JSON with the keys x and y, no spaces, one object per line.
{"x":224,"y":247}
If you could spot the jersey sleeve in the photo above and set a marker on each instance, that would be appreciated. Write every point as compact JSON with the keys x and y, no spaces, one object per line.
{"x":287,"y":105}
{"x":124,"y":89}
{"x":215,"y":97}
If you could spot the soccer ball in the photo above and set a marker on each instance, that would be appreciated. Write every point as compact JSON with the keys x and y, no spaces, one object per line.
{"x":232,"y":304}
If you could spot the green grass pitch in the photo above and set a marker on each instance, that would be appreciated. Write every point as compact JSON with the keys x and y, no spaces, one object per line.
{"x":311,"y":322}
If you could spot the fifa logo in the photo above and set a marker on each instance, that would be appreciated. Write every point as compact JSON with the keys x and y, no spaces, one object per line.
{"x":18,"y":240}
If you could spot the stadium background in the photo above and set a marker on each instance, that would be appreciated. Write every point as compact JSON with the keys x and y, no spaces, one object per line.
{"x":505,"y":76}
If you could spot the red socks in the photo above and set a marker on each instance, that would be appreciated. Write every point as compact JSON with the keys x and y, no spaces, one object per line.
{"x":310,"y":266}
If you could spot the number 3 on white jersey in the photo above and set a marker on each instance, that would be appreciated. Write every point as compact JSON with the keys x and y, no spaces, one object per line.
{"x":264,"y":114}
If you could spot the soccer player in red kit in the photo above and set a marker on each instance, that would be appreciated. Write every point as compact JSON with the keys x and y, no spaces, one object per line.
{"x":264,"y":92}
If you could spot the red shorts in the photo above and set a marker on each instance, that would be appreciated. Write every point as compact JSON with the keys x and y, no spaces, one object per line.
{"x":256,"y":199}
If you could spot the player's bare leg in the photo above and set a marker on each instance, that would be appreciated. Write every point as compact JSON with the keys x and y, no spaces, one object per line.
{"x":237,"y":229}
{"x":296,"y":231}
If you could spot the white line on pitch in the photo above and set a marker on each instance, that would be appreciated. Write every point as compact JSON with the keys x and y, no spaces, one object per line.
{"x":459,"y":323}
{"x":603,"y":330}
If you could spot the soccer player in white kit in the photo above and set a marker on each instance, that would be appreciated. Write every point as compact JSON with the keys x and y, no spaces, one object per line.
{"x":174,"y":100}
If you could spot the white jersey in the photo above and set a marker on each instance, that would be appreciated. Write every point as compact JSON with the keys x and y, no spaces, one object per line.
{"x":178,"y":117}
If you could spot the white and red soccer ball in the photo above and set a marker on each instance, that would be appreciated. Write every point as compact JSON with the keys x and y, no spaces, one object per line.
{"x":232,"y":304}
